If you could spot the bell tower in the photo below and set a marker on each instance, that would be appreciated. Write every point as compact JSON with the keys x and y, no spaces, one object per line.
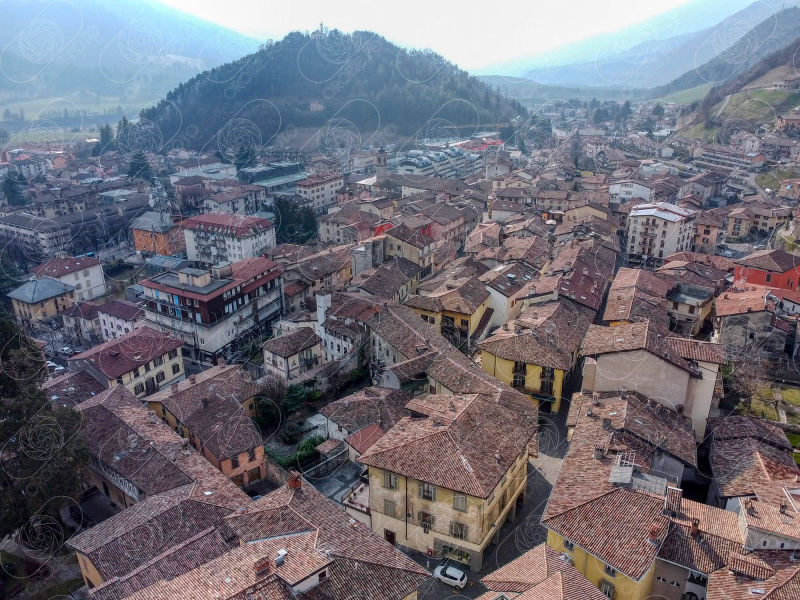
{"x":380,"y":164}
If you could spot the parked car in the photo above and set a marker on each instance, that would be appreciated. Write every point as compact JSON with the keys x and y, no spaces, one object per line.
{"x":451,"y":576}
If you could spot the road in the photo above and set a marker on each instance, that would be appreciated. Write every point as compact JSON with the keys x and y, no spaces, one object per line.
{"x":526,"y":531}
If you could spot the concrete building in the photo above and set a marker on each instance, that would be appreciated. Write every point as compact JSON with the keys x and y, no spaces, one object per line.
{"x":41,"y":298}
{"x":84,"y":273}
{"x":216,"y":238}
{"x":657,"y":230}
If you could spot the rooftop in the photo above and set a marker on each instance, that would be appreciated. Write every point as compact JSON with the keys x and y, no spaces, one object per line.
{"x":39,"y":290}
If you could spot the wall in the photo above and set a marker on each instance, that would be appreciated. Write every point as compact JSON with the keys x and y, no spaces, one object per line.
{"x":699,"y":396}
{"x":90,"y":574}
{"x":503,"y":370}
{"x":643,"y":372}
{"x":671,"y":573}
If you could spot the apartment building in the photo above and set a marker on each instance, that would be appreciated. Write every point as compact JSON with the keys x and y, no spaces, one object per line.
{"x":451,"y":503}
{"x":216,"y":238}
{"x":413,"y":244}
{"x":656,"y":230}
{"x":118,"y":317}
{"x":291,"y":355}
{"x":31,"y":234}
{"x":41,"y":298}
{"x":143,"y":361}
{"x":319,"y":190}
{"x":214,"y":310}
{"x":84,"y":273}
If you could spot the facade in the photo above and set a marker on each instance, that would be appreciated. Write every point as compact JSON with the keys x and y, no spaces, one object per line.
{"x":157,"y":233}
{"x":41,"y":298}
{"x":143,"y":361}
{"x":773,"y":268}
{"x":35,"y":234}
{"x":84,"y":273}
{"x":657,"y":230}
{"x":319,"y":190}
{"x":118,"y":317}
{"x":216,"y":238}
{"x":81,"y":323}
{"x":415,"y":245}
{"x":291,"y":355}
{"x":213,"y":311}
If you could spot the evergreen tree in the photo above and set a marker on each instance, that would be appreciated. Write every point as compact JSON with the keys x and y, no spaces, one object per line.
{"x":139,"y":167}
{"x":122,"y":128}
{"x":658,"y":110}
{"x":12,"y":188}
{"x":245,"y":157}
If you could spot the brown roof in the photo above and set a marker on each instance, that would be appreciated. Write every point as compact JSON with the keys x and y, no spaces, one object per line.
{"x":60,"y":266}
{"x":461,"y":296}
{"x":363,"y":439}
{"x":292,"y":343}
{"x":467,"y":444}
{"x":776,"y":261}
{"x":415,"y":237}
{"x":122,"y":355}
{"x":773,"y":571}
{"x":754,"y":298}
{"x":540,"y":574}
{"x":121,"y":309}
{"x":72,"y":388}
{"x":698,"y":351}
{"x":379,"y":405}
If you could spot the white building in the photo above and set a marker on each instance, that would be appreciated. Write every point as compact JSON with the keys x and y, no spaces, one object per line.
{"x":628,"y":189}
{"x":118,"y":317}
{"x":320,"y":190}
{"x":658,"y":229}
{"x":215,"y":238}
{"x":84,"y":273}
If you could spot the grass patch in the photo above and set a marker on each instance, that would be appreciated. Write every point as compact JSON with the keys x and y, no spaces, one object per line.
{"x":759,"y":106}
{"x":701,"y":132}
{"x":774,"y":177}
{"x":687,"y":96}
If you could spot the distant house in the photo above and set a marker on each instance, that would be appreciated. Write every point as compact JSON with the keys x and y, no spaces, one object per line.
{"x":41,"y":298}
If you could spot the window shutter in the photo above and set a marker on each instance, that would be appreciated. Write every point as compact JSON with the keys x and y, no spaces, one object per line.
{"x":419,"y":488}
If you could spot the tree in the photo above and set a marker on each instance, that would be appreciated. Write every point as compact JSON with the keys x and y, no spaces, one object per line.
{"x":658,"y":111}
{"x":139,"y":167}
{"x":122,"y":129}
{"x":4,"y":135}
{"x":245,"y":157}
{"x":43,"y":455}
{"x":12,"y":188}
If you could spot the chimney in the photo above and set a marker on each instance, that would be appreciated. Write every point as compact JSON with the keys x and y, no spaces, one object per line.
{"x":599,"y":451}
{"x":173,"y":387}
{"x":695,"y":527}
{"x":653,"y":535}
{"x":295,"y":483}
{"x":606,"y":423}
{"x":261,"y":566}
{"x":192,"y":378}
{"x":280,"y":557}
{"x":783,"y":508}
{"x":205,"y":402}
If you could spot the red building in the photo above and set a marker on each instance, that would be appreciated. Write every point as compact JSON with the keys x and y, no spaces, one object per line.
{"x":773,"y":268}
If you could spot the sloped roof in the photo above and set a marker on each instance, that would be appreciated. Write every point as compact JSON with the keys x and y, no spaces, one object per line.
{"x":40,"y":289}
{"x":776,"y":261}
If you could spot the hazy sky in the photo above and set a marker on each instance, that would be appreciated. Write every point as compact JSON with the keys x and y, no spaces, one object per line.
{"x":471,"y":33}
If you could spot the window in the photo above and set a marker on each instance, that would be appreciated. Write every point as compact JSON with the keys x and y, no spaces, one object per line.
{"x":172,"y":354}
{"x":569,"y":545}
{"x":389,"y":480}
{"x":458,"y":530}
{"x":176,"y":369}
{"x":769,"y":277}
{"x":251,"y":454}
{"x":389,"y":508}
{"x":136,"y":372}
{"x":607,"y":588}
{"x":235,"y":462}
{"x":426,"y":520}
{"x":460,"y":502}
{"x":611,"y":571}
{"x":427,"y":491}
{"x":160,"y":376}
{"x":138,"y":388}
{"x":119,"y":379}
{"x":146,"y":367}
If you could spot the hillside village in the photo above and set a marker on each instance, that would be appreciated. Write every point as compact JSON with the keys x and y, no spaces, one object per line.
{"x":534,"y":361}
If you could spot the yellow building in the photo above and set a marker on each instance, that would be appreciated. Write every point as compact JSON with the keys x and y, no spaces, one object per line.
{"x":41,"y":298}
{"x":537,"y":352}
{"x":455,"y":307}
{"x":143,"y":360}
{"x":440,"y":485}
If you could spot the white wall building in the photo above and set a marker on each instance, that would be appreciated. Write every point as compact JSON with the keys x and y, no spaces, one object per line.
{"x":215,"y":238}
{"x":320,"y":190}
{"x":658,"y":229}
{"x":84,"y":273}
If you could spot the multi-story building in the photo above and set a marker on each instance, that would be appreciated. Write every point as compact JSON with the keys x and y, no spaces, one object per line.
{"x":29,"y":234}
{"x":291,"y":355}
{"x":216,"y":238}
{"x":41,"y":298}
{"x":319,"y":190}
{"x":84,"y":273}
{"x":656,"y":230}
{"x":452,"y":501}
{"x":773,"y":268}
{"x":118,"y":317}
{"x":213,"y":311}
{"x":214,"y":411}
{"x":413,"y":244}
{"x":755,"y":217}
{"x":143,"y":360}
{"x":627,"y":189}
{"x":156,"y":233}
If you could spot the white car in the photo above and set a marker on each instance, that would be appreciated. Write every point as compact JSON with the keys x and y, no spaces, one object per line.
{"x":451,"y":576}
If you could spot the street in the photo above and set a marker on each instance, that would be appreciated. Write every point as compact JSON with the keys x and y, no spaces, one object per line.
{"x":526,"y":531}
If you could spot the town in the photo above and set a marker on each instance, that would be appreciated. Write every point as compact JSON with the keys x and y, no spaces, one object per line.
{"x":555,"y":356}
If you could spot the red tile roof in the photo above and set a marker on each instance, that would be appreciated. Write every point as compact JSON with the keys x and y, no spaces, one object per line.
{"x":227,"y":224}
{"x":363,"y":439}
{"x":60,"y":266}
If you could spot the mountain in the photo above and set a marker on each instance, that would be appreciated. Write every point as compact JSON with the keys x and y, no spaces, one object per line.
{"x":348,"y":86}
{"x":770,"y":35}
{"x":531,"y":93}
{"x":652,"y":33}
{"x":658,"y":61}
{"x":122,"y":52}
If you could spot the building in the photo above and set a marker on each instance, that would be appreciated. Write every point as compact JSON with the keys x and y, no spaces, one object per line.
{"x":773,"y":268}
{"x":643,"y":357}
{"x":540,"y":573}
{"x":157,"y":233}
{"x":34,"y":236}
{"x":393,"y":280}
{"x":657,"y":230}
{"x":143,"y":361}
{"x":81,"y":323}
{"x":214,"y":411}
{"x":293,"y":354}
{"x":413,"y":244}
{"x":539,"y":350}
{"x":320,"y":190}
{"x":41,"y":298}
{"x":507,"y":286}
{"x":441,"y":485}
{"x":216,"y":238}
{"x":372,"y":405}
{"x":755,"y":218}
{"x":213,"y":311}
{"x":118,"y":317}
{"x":84,"y":273}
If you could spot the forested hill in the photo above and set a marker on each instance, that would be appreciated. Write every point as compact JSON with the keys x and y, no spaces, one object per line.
{"x":357,"y":80}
